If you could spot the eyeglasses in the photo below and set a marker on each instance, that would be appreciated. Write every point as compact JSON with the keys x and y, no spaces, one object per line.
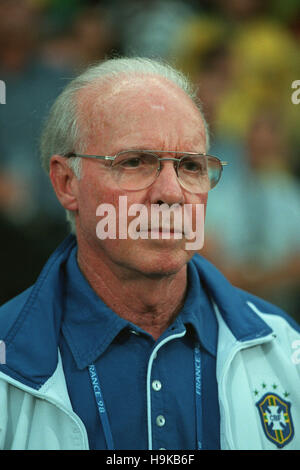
{"x":134,"y":170}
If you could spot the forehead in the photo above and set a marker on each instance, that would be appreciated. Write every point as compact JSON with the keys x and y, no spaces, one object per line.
{"x":149,"y":111}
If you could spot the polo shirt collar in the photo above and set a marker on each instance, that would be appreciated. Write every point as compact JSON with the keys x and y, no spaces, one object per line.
{"x":89,"y":325}
{"x":198,"y":312}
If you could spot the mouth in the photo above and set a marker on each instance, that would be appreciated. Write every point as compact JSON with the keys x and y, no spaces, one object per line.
{"x":156,"y":232}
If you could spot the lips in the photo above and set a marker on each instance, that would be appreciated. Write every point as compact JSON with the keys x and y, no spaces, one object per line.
{"x":165,"y":229}
{"x":165,"y":232}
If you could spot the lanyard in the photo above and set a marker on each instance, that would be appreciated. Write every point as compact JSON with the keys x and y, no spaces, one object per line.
{"x":198,"y":395}
{"x":101,"y":407}
{"x":103,"y":413}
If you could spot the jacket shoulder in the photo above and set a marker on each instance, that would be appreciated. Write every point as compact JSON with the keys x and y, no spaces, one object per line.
{"x":233,"y":300}
{"x":11,"y":309}
{"x":268,"y":308}
{"x":41,"y":290}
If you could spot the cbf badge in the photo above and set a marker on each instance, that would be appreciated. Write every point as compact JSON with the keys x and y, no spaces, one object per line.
{"x":276,"y":419}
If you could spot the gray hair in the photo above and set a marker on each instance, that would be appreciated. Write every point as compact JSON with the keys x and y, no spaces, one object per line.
{"x":62,"y":133}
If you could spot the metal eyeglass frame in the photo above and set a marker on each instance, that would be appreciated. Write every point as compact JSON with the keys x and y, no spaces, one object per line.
{"x":151,"y":152}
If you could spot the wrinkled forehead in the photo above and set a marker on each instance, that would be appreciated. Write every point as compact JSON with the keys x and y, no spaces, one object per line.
{"x":134,"y":102}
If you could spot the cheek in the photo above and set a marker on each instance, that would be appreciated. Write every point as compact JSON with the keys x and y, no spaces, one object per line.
{"x":198,"y":204}
{"x":197,"y":199}
{"x":95,"y":188}
{"x":89,"y":199}
{"x":98,"y":203}
{"x":90,"y":196}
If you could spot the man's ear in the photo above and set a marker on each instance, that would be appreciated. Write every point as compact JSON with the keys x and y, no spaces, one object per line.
{"x":64,"y":182}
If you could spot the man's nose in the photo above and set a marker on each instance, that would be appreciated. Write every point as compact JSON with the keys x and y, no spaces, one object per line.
{"x":166,"y":188}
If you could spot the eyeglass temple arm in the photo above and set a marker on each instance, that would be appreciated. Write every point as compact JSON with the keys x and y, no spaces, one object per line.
{"x":102,"y":157}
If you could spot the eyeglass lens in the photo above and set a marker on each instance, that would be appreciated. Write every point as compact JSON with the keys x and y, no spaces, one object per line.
{"x":137,"y":170}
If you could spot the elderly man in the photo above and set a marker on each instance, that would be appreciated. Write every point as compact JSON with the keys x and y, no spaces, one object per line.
{"x":129,"y":339}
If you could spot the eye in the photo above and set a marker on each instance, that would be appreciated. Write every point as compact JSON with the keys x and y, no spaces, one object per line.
{"x":193,"y":165}
{"x":134,"y":161}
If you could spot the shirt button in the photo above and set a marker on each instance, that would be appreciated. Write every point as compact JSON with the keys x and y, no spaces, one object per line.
{"x":156,"y":385}
{"x":160,"y":420}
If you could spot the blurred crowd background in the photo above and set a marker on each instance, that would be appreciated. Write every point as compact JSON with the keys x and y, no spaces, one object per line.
{"x":242,"y":54}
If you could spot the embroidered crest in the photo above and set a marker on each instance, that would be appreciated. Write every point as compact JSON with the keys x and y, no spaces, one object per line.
{"x":276,"y":419}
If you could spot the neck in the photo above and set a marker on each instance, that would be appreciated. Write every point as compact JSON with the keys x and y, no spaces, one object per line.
{"x":150,"y":302}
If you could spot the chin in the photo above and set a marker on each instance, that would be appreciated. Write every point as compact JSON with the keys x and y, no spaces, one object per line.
{"x":160,"y":263}
{"x":155,"y":258}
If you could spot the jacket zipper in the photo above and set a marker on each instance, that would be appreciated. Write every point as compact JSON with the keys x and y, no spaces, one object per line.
{"x":225,"y":411}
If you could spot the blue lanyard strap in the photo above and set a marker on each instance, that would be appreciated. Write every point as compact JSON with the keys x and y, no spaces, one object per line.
{"x":198,"y":395}
{"x":103,"y":414}
{"x":101,"y":407}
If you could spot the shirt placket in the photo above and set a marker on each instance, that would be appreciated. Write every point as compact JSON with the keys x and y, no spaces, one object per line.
{"x":156,"y":412}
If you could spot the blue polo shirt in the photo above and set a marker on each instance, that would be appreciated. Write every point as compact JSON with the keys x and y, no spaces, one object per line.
{"x":146,"y":392}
